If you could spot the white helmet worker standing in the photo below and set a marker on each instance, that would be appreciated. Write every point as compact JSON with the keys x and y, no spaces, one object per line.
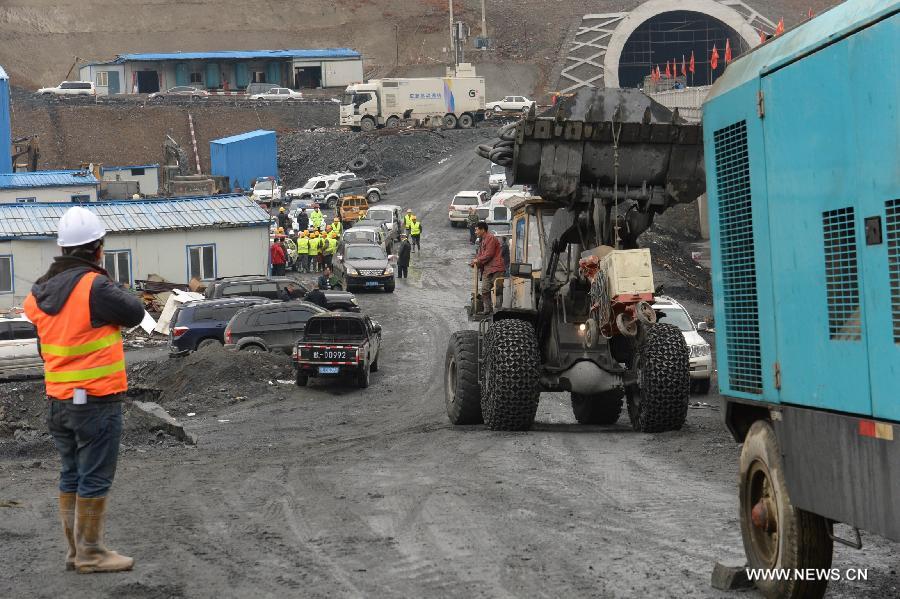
{"x":78,"y":312}
{"x":79,"y":226}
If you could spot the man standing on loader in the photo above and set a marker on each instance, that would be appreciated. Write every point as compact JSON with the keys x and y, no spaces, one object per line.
{"x":490,"y":261}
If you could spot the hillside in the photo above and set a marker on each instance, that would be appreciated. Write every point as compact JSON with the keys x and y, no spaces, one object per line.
{"x":40,"y":39}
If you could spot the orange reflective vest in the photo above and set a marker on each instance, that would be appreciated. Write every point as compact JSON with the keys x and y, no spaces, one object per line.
{"x":77,"y":355}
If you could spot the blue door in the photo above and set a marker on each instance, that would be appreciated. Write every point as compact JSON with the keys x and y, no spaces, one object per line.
{"x":112,"y":82}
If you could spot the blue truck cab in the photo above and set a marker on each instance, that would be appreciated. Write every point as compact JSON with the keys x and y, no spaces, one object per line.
{"x":802,"y":146}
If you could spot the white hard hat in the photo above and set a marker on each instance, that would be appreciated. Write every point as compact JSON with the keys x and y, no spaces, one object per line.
{"x":79,"y":226}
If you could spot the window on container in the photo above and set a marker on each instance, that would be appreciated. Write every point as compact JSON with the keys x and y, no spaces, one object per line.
{"x":25,"y":200}
{"x":136,"y":172}
{"x":6,"y":274}
{"x":202,"y":262}
{"x":118,"y":264}
{"x":259,"y":76}
{"x":80,"y":198}
{"x":197,"y":77}
{"x":102,"y":78}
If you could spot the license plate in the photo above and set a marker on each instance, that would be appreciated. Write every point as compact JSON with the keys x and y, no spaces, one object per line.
{"x":329,"y":369}
{"x":372,"y":283}
{"x":330,"y":354}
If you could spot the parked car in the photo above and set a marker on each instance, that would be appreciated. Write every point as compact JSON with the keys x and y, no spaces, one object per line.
{"x":496,"y":177}
{"x":389,"y":214}
{"x":275,"y":288}
{"x":180,"y":91}
{"x":458,"y":211}
{"x":363,"y":265}
{"x":670,"y":311}
{"x":350,"y":208}
{"x":338,"y":346}
{"x":266,"y":189}
{"x":319,"y":183}
{"x":278,"y":93}
{"x":269,"y":327}
{"x":360,"y":233}
{"x":69,"y":88}
{"x":202,"y":323}
{"x":509,"y":103}
{"x":18,"y":348}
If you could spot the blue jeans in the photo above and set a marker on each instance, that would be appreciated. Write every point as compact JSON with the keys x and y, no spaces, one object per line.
{"x":87,"y":438}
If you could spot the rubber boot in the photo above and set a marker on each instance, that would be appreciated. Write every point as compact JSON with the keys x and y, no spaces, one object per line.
{"x":91,"y":554}
{"x":67,"y":517}
{"x":487,"y":306}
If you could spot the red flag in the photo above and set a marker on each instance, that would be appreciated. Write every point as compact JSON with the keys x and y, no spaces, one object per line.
{"x":714,"y":58}
{"x":762,"y":36}
{"x":727,"y":51}
{"x":691,"y":68}
{"x":683,"y":67}
{"x":780,"y":29}
{"x":668,"y":72}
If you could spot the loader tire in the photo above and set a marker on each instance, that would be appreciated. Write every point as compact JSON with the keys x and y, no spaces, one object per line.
{"x":596,"y":410}
{"x":462,"y":389}
{"x":662,"y":366}
{"x":511,"y":391}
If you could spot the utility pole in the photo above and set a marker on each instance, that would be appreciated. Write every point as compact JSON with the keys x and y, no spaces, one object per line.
{"x":452,"y":34}
{"x":483,"y":28}
{"x":397,"y":41}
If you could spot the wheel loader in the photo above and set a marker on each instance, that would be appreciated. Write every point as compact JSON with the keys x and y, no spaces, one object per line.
{"x":574,"y":313}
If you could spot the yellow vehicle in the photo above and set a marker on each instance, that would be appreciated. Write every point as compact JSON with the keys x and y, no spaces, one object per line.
{"x":351,"y":208}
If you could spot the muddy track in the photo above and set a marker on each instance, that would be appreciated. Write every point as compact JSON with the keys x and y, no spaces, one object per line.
{"x":335,"y":492}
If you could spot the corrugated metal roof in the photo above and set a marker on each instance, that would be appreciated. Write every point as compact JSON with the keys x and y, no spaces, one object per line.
{"x":125,"y":168}
{"x":225,"y":211}
{"x":310,"y":53}
{"x":46,"y":179}
{"x":242,"y":136}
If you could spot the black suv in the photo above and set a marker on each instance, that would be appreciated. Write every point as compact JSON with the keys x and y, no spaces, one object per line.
{"x":201,"y":323}
{"x":363,"y":266}
{"x":271,"y":327}
{"x":275,"y":288}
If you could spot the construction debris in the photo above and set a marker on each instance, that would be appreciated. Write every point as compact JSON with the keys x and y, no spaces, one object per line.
{"x":151,"y":417}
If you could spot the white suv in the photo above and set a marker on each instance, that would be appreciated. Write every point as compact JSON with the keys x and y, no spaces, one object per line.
{"x":319,"y":183}
{"x":70,"y":88}
{"x":518,"y":103}
{"x":670,"y":311}
{"x":18,"y":347}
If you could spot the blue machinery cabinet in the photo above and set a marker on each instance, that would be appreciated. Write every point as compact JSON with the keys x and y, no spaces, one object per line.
{"x":244,"y":157}
{"x":802,"y":146}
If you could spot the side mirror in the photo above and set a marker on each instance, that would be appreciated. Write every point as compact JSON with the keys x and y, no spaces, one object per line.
{"x":520,"y":269}
{"x":702,"y":326}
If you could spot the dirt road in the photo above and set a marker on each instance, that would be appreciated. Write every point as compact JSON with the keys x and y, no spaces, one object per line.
{"x":339,"y":492}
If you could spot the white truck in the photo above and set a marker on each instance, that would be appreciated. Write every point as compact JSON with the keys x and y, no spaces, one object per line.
{"x":457,"y":100}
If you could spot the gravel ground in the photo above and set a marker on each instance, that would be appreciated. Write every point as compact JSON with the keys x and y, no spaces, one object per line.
{"x":329,"y":491}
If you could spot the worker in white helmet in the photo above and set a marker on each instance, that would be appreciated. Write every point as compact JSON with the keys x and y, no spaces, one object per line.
{"x":78,"y":311}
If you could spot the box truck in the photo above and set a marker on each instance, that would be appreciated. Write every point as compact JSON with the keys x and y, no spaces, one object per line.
{"x":458,"y":100}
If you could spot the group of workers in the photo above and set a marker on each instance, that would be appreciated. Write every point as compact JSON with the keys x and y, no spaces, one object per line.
{"x":312,"y":249}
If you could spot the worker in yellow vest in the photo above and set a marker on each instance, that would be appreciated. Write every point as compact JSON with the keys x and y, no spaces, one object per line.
{"x":303,"y":252}
{"x":317,"y":247}
{"x":78,"y":312}
{"x":330,"y":246}
{"x":337,"y":227}
{"x":316,"y":218}
{"x":407,"y":219}
{"x":415,"y":232}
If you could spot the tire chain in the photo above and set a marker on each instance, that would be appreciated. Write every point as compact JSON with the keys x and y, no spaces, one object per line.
{"x":466,"y":409}
{"x":665,"y":381}
{"x":511,"y":392}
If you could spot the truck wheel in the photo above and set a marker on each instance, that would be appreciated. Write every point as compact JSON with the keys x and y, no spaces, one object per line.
{"x":510,"y":398}
{"x":662,"y":367}
{"x":358,"y":163}
{"x":450,"y":121}
{"x":776,"y":534}
{"x":301,"y":379}
{"x":372,"y":197}
{"x":466,"y":121}
{"x":596,"y":410}
{"x":700,"y":386}
{"x":462,"y":391}
{"x":392,"y":122}
{"x":367,"y":124}
{"x":362,"y":379}
{"x":330,"y":203}
{"x":498,"y":109}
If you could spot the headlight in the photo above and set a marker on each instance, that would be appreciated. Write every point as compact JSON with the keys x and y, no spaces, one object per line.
{"x":353,"y":301}
{"x":388,"y":271}
{"x":352,"y":271}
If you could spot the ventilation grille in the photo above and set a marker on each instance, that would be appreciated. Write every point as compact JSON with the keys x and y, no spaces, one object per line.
{"x":738,"y":261}
{"x":892,"y":236}
{"x":842,"y":275}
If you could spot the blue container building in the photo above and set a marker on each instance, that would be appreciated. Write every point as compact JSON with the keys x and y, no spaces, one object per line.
{"x":5,"y":126}
{"x":801,"y":139}
{"x":245,"y":157}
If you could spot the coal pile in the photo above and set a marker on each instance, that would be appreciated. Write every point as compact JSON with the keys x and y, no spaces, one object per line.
{"x":381,"y":155}
{"x":207,"y":380}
